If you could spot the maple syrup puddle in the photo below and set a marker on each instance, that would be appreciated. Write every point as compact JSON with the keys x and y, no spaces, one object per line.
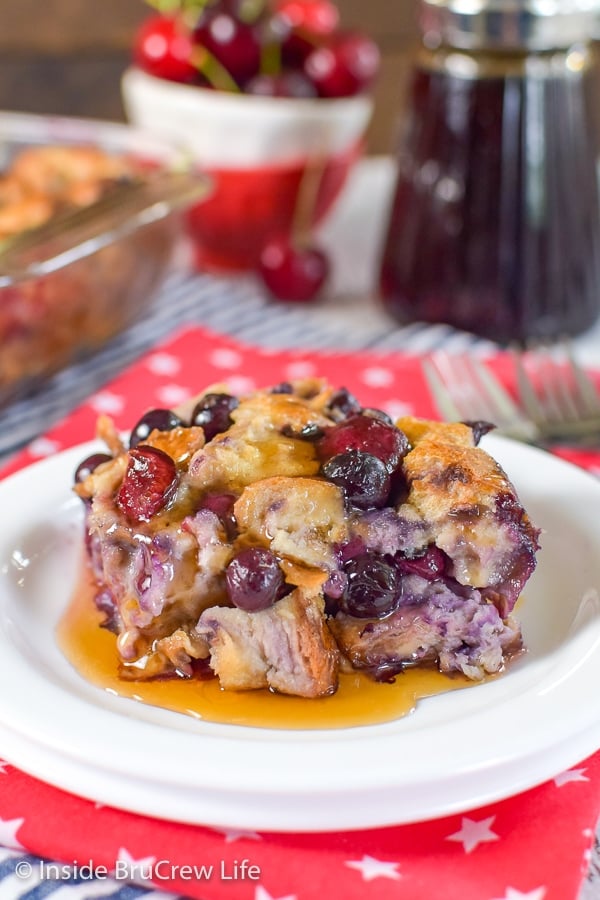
{"x":359,"y":700}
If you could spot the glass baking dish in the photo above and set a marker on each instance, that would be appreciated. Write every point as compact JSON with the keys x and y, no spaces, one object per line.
{"x":70,"y":285}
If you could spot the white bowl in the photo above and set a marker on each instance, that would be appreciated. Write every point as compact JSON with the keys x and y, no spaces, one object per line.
{"x":242,"y":130}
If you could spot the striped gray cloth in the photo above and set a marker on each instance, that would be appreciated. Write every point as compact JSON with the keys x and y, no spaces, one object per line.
{"x":237,"y":307}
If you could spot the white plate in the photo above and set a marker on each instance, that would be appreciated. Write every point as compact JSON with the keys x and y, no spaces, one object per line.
{"x":457,"y":751}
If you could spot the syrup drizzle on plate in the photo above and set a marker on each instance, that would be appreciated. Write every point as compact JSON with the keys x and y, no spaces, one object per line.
{"x":358,"y":701}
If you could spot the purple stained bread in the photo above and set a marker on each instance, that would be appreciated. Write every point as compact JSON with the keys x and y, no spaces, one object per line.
{"x":276,"y":539}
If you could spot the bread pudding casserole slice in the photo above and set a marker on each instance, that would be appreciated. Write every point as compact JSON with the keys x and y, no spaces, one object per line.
{"x":276,"y":539}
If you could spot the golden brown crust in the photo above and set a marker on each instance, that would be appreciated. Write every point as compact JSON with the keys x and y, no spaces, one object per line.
{"x":180,"y":443}
{"x":68,"y":174}
{"x":254,"y":447}
{"x":418,"y":430}
{"x":298,"y":518}
{"x":264,"y":412}
{"x":447,"y":474}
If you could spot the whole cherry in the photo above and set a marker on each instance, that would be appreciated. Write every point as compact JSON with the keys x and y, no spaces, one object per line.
{"x":305,"y":24}
{"x":227,"y":44}
{"x":293,"y":271}
{"x":234,"y":43}
{"x":163,"y":48}
{"x":345,"y":66}
{"x":291,"y":265}
{"x":314,"y":18}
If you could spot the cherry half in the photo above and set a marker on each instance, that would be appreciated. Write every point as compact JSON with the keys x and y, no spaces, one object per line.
{"x":149,"y":484}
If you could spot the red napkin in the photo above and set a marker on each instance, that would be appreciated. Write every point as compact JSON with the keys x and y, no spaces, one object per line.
{"x":534,"y":846}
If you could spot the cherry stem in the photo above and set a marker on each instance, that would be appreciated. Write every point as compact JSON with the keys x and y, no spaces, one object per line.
{"x":270,"y":58}
{"x":306,"y":200}
{"x":175,"y":6}
{"x":215,"y":73}
{"x":251,"y":10}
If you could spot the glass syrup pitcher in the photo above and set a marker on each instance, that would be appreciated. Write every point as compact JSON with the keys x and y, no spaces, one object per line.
{"x":495,"y":222}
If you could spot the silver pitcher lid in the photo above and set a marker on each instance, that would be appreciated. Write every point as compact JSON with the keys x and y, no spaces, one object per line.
{"x":508,"y":24}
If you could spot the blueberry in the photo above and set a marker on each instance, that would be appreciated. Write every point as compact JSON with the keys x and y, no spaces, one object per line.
{"x":342,"y":404}
{"x":213,"y":414}
{"x":363,"y":478}
{"x":153,"y":420}
{"x":254,"y":579}
{"x":89,"y":465}
{"x":372,"y":589}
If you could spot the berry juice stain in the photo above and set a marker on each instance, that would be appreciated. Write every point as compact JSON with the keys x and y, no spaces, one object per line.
{"x":359,"y":700}
{"x":494,"y":226}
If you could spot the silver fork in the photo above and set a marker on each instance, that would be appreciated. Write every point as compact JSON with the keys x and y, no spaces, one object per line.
{"x":558,"y":401}
{"x":464,"y":389}
{"x":558,"y":395}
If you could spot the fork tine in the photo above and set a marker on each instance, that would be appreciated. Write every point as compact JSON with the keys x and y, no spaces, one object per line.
{"x":549,"y":383}
{"x":480,"y":402}
{"x":565,"y":391}
{"x":477,"y":393}
{"x":440,"y":392}
{"x":559,"y":402}
{"x":558,"y":395}
{"x":553,"y":387}
{"x":504,"y":403}
{"x":465,"y":389}
{"x":528,"y":395}
{"x":455,"y":373}
{"x":456,"y":380}
{"x":589,"y":397}
{"x":503,"y":411}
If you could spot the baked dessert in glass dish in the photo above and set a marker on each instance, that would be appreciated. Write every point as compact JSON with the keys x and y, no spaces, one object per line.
{"x":43,"y":181}
{"x":281,"y":538}
{"x":90,"y":217}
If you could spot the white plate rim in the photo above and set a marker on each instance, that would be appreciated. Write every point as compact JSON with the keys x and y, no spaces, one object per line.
{"x":288,"y":781}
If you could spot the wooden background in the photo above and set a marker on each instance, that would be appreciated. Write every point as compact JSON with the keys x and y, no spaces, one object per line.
{"x":66,"y":56}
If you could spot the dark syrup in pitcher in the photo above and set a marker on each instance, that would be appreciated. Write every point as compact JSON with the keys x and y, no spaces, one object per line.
{"x":495,"y":220}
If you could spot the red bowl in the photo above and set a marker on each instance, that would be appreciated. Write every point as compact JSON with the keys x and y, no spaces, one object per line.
{"x":248,"y":207}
